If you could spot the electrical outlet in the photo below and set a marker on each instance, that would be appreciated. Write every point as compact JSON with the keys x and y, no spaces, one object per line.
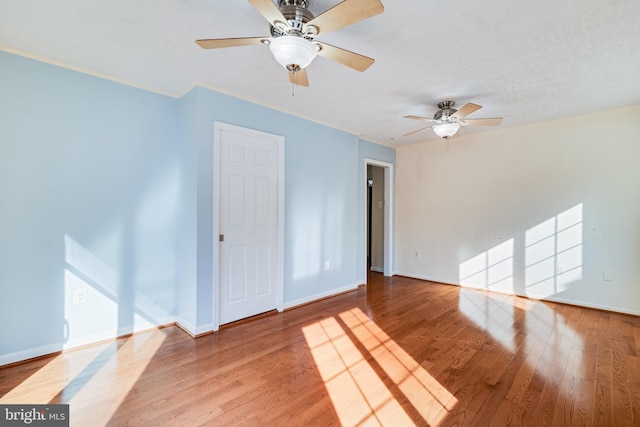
{"x":416,"y":254}
{"x":327,"y":264}
{"x":80,"y":296}
{"x":606,"y":275}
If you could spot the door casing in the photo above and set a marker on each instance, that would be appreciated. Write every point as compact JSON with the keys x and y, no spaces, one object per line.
{"x":218,"y":128}
{"x":388,"y":216}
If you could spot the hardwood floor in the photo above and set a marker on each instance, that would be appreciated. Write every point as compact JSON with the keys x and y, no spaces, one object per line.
{"x":398,"y":352}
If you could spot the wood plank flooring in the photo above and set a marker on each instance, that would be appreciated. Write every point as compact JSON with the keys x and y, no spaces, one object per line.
{"x":396,"y":352}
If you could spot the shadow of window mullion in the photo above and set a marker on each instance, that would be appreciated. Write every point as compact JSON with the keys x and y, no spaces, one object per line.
{"x":394,"y":388}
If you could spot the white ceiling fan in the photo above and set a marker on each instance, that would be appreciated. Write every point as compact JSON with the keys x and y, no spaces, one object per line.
{"x":294,"y":30}
{"x":447,"y":121}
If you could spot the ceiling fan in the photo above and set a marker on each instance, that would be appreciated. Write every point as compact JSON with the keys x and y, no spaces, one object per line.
{"x":294,"y":29}
{"x":448,"y":120}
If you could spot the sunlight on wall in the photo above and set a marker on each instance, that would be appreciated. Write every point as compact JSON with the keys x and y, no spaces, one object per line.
{"x":553,"y":254}
{"x":358,"y":393}
{"x":491,"y":270}
{"x":84,"y":320}
{"x":92,"y":300}
{"x":91,"y":294}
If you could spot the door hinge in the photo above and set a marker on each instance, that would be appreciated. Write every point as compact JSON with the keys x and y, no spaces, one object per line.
{"x":221,"y":237}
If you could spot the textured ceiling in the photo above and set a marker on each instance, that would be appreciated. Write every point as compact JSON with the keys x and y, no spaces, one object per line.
{"x":526,"y":61}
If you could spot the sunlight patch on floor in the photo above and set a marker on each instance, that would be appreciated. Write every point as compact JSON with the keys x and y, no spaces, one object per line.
{"x":425,"y":393}
{"x":48,"y":381}
{"x":110,"y":369}
{"x":359,"y":395}
{"x":116,"y":378}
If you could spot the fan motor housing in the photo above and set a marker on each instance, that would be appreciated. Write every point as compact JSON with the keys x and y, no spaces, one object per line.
{"x":301,"y":3}
{"x":296,"y":14}
{"x":446,"y":110}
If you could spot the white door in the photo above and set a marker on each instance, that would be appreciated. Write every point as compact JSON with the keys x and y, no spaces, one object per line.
{"x":248,"y":251}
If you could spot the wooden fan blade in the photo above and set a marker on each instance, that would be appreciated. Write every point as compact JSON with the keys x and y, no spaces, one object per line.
{"x":416,"y":131}
{"x":466,"y":110}
{"x":220,"y":43}
{"x":426,"y":119}
{"x":269,"y":10}
{"x":345,"y":57}
{"x":346,"y":13}
{"x":482,"y":122}
{"x":299,"y":78}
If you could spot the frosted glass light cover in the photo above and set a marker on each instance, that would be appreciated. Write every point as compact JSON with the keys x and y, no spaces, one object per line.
{"x":295,"y":50}
{"x":445,"y":130}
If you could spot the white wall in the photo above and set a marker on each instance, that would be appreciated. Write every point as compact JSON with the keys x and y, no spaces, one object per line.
{"x":545,"y":210}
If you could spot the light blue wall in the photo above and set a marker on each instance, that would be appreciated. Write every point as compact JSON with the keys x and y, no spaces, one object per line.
{"x":89,"y":183}
{"x":321,"y":199}
{"x":108,"y":188}
{"x":187,"y":220}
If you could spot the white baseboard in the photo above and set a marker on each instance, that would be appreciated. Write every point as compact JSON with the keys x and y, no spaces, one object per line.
{"x":549,"y":298}
{"x":31,"y":353}
{"x":139,"y":327}
{"x":193,"y":330}
{"x":319,"y":296}
{"x":186,"y":326}
{"x":427,"y":278}
{"x":583,"y":304}
{"x":204,"y":329}
{"x":21,"y":355}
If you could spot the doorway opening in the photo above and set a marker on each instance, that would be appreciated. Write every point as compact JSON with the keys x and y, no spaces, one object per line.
{"x":378,"y":217}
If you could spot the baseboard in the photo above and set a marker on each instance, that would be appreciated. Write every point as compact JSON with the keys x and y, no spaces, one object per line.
{"x":32,"y":353}
{"x":191,"y":329}
{"x":377,"y":269}
{"x":547,"y":299}
{"x":121,"y":332}
{"x":586,"y":305}
{"x":319,"y":296}
{"x":43,"y":351}
{"x":186,"y":326}
{"x":425,"y":278}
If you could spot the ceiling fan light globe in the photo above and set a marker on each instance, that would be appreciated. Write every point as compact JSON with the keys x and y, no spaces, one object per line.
{"x":446,"y":130}
{"x":293,"y":51}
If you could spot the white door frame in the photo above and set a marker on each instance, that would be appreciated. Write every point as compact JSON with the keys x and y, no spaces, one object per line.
{"x":219,"y":127}
{"x":388,"y":215}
